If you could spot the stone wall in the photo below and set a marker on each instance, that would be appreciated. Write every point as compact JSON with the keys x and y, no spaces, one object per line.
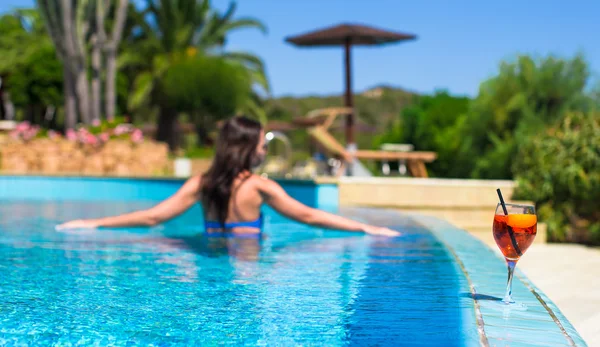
{"x":466,"y":203}
{"x":60,"y":156}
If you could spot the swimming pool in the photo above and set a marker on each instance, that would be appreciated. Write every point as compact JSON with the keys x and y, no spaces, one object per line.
{"x":168,"y":285}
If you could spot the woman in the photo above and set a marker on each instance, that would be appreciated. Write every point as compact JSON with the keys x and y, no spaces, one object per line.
{"x":231,"y":196}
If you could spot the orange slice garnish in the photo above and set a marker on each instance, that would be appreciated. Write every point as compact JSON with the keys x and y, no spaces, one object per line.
{"x":521,"y":220}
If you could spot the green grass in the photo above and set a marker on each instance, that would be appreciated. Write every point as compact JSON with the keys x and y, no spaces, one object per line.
{"x":199,"y":153}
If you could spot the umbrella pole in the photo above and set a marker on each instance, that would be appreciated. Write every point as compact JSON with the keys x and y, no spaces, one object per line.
{"x":348,"y":96}
{"x":350,"y":145}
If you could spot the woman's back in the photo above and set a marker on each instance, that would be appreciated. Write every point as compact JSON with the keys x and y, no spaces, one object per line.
{"x":244,"y":205}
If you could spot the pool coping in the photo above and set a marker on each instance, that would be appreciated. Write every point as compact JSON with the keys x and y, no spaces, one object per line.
{"x":79,"y":176}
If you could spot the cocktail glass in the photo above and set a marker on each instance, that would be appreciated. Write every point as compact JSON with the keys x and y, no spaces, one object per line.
{"x":514,"y":231}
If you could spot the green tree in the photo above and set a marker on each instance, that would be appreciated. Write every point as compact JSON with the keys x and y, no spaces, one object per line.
{"x":526,"y":95}
{"x":30,"y":70}
{"x":431,"y":125}
{"x":207,"y":88}
{"x":170,"y":29}
{"x":22,"y":31}
{"x":559,"y":170}
{"x":10,"y":49}
{"x":36,"y":85}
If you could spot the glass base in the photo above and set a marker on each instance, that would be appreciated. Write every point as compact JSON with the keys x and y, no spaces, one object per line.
{"x":502,"y":306}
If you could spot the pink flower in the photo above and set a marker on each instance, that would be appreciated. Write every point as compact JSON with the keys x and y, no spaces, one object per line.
{"x":121,"y":129}
{"x":90,"y":139}
{"x":29,"y":133}
{"x":137,"y":136}
{"x":104,"y":137}
{"x":96,"y":122}
{"x":71,"y":135}
{"x":82,"y":135}
{"x":53,"y":134}
{"x":34,"y":130}
{"x":23,"y":126}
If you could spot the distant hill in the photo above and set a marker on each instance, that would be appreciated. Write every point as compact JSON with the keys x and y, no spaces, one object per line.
{"x":376,"y":106}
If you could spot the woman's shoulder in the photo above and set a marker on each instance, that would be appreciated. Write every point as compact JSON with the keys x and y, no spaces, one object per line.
{"x":265,"y":185}
{"x":251,"y":179}
{"x":193,"y":183}
{"x":259,"y":180}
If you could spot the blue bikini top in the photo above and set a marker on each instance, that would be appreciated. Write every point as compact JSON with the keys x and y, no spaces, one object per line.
{"x":258,"y":224}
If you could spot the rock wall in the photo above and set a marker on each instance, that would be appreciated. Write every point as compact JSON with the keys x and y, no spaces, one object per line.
{"x":61,"y":156}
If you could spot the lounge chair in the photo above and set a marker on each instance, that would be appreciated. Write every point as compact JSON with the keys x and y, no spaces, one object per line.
{"x":320,"y":120}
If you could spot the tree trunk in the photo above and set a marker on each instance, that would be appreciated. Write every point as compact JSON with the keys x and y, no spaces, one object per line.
{"x":7,"y":109}
{"x":167,"y":128}
{"x":2,"y":98}
{"x":111,"y":76}
{"x":83,"y":95}
{"x":200,"y":126}
{"x":96,"y":79}
{"x":67,"y":22}
{"x":73,"y":27}
{"x":69,"y":91}
{"x":202,"y":135}
{"x":7,"y":105}
{"x":111,"y":58}
{"x":50,"y":117}
{"x":30,"y":114}
{"x":203,"y":122}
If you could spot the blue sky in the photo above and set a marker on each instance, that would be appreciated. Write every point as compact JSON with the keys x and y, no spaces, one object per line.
{"x":460,"y":43}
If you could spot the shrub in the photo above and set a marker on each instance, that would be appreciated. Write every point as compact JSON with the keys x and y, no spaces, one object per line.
{"x":431,"y":124}
{"x":559,"y":169}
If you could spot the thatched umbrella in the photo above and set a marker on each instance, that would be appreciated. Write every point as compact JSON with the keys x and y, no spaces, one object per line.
{"x":348,"y":35}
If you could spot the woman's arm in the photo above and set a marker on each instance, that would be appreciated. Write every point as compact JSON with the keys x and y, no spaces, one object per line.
{"x":175,"y":205}
{"x":276,"y":197}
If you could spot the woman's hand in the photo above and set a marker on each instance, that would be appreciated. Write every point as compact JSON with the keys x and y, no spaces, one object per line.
{"x":78,"y":224}
{"x":374,"y":230}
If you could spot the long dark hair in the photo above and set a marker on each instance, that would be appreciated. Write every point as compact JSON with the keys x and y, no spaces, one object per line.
{"x":235,"y":153}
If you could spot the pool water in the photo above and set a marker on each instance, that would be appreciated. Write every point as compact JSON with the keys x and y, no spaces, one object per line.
{"x":169,"y":285}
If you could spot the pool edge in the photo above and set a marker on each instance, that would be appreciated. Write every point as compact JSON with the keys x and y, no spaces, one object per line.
{"x":317,"y":193}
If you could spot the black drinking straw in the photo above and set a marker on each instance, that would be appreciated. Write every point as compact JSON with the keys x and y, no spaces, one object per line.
{"x":510,"y":230}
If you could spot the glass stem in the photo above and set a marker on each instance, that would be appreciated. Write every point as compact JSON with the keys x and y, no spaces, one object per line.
{"x":511,"y":270}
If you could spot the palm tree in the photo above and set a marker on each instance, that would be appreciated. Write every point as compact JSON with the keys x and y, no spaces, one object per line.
{"x":168,"y":30}
{"x":105,"y":43}
{"x":207,"y":89}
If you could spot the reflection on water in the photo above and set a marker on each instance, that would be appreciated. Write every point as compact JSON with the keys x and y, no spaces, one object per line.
{"x":242,"y":248}
{"x":180,"y":252}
